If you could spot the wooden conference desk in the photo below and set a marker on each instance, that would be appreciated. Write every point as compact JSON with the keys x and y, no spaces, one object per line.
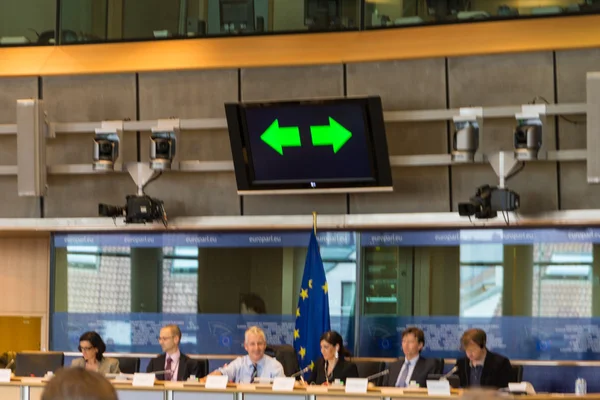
{"x":17,"y":390}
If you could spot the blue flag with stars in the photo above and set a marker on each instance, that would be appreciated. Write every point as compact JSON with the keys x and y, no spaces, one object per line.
{"x":312,"y":313}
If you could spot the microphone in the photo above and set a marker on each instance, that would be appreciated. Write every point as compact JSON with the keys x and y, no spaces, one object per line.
{"x":9,"y":364}
{"x":446,"y":376}
{"x":377,"y":375}
{"x":162,"y":372}
{"x":301,"y":372}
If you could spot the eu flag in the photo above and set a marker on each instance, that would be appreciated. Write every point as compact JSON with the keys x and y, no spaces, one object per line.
{"x":312,"y":313}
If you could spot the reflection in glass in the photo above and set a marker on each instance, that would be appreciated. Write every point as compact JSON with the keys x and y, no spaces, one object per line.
{"x":27,"y":22}
{"x":481,"y":280}
{"x":83,"y":20}
{"x":98,"y":279}
{"x":395,"y":13}
{"x":562,"y":280}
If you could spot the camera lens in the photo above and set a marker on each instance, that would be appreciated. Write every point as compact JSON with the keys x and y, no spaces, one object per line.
{"x":105,"y":148}
{"x":520,"y":139}
{"x":163,"y":149}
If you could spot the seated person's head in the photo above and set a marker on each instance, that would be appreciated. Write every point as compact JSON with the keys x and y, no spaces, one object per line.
{"x":332,"y":346}
{"x":255,"y":343}
{"x":78,"y":384}
{"x":170,"y":336}
{"x":91,"y":346}
{"x":413,"y":340}
{"x":251,"y":303}
{"x":473,"y":342}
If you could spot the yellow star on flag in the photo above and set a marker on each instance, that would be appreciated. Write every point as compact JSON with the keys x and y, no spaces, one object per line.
{"x":297,"y":312}
{"x":304,"y":293}
{"x":302,"y":352}
{"x":296,"y":333}
{"x":312,"y":365}
{"x":325,"y":288}
{"x":310,"y":283}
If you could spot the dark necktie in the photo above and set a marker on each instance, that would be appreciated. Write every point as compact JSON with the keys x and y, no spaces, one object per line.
{"x":254,"y":373}
{"x":168,"y":372}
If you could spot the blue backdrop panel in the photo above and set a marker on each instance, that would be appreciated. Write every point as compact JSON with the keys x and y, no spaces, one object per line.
{"x":521,"y":338}
{"x":202,"y":333}
{"x":203,"y":239}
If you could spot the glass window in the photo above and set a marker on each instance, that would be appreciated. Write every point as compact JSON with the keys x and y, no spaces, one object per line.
{"x":562,"y":280}
{"x":27,"y":22}
{"x":91,"y":20}
{"x":397,"y":13}
{"x":84,"y":20}
{"x":98,"y":279}
{"x":212,"y":292}
{"x":481,"y":280}
{"x":180,"y":279}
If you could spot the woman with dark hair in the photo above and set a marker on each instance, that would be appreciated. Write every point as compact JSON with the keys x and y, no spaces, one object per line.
{"x":92,"y":348}
{"x":333,"y":365}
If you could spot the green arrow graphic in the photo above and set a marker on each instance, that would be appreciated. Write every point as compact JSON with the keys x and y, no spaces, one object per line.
{"x":333,"y":134}
{"x":278,"y":137}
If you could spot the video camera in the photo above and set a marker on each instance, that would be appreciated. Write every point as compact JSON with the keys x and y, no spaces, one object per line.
{"x":138,"y":210}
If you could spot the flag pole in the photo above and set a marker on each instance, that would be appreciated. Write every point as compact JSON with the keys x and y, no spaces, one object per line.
{"x":314,"y":222}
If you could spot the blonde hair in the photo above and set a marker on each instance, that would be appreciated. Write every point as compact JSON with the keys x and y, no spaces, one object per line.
{"x":255,"y":330}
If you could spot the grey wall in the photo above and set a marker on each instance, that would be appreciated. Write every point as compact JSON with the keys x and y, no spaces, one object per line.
{"x":509,"y":79}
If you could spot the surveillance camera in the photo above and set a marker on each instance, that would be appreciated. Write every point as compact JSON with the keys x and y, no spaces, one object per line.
{"x":528,"y":139}
{"x":162,"y":150}
{"x":106,"y":151}
{"x":465,"y":141}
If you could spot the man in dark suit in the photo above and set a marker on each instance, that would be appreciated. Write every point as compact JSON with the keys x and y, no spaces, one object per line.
{"x":176,"y":365}
{"x":413,"y":367}
{"x":481,"y":367}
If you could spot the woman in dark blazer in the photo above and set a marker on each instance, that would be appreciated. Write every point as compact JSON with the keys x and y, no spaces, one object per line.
{"x":333,"y":364}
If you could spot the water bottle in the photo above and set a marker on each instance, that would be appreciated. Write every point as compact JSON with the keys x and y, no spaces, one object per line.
{"x":580,"y":386}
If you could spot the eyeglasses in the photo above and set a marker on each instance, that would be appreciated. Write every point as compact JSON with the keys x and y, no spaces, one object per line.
{"x":85,"y":348}
{"x":164,"y":338}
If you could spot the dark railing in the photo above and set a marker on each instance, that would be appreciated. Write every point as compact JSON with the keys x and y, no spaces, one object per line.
{"x":52,"y":22}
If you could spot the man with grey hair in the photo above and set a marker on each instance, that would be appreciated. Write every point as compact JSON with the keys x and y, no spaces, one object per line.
{"x":254,"y":365}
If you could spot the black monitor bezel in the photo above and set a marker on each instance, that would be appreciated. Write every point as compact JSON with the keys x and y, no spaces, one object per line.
{"x":375,"y":135}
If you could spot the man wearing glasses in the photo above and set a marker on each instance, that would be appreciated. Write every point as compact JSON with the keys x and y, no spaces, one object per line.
{"x":173,"y":365}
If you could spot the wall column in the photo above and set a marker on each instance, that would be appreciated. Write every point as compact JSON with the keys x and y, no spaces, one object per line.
{"x":518,"y":280}
{"x":61,"y":280}
{"x":146,"y":280}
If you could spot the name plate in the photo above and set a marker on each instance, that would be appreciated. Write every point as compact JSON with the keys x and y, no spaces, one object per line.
{"x":5,"y":375}
{"x":438,"y":388}
{"x":284,"y":384}
{"x":216,"y":381}
{"x":143,"y":379}
{"x":356,"y":385}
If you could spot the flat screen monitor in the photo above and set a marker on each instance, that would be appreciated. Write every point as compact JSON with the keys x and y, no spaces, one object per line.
{"x":239,"y":13}
{"x":37,"y":363}
{"x":309,"y":146}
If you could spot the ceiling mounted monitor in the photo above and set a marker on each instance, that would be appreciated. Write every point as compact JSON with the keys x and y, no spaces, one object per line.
{"x":309,"y":146}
